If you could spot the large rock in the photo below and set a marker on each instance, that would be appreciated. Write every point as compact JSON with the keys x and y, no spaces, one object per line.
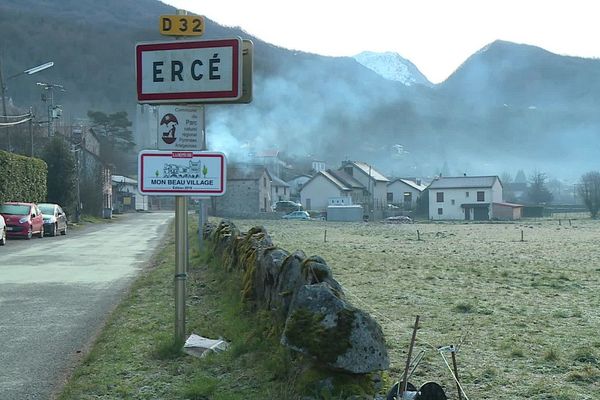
{"x":334,"y":333}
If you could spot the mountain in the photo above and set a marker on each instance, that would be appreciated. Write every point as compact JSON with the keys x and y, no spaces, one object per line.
{"x":393,"y":67}
{"x":508,"y":107}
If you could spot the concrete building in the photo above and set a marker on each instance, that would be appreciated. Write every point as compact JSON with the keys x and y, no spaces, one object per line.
{"x":315,"y":193}
{"x":374,"y":183}
{"x":280,"y":190}
{"x":404,"y":193}
{"x":464,"y":198}
{"x":248,"y":192}
{"x":295,"y":184}
{"x":126,"y":196}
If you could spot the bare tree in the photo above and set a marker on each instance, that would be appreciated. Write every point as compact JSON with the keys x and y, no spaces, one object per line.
{"x":589,"y":190}
{"x":537,"y":191}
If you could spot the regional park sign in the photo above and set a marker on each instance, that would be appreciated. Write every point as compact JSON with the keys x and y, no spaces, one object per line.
{"x":181,"y":173}
{"x":180,"y":128}
{"x":202,"y":71}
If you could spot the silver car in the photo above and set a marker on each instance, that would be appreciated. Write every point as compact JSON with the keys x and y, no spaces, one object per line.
{"x":297,"y":215}
{"x":55,"y":219}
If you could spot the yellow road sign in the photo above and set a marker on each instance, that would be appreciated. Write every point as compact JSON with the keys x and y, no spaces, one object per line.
{"x":181,"y":25}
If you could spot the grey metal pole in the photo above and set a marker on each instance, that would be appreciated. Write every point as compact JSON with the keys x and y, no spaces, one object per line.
{"x":202,"y":214}
{"x":181,"y":257}
{"x":181,"y":250}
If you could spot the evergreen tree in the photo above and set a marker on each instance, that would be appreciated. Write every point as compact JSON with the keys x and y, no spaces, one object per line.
{"x":61,"y":173}
{"x":116,"y":138}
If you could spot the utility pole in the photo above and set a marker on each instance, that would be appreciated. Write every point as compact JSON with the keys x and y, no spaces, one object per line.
{"x":52,"y":111}
{"x":4,"y":114}
{"x":31,"y":130}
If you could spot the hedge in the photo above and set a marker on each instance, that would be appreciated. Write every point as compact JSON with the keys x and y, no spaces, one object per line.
{"x":22,"y":178}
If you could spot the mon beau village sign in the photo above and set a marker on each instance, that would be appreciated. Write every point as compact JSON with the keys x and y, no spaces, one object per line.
{"x":179,"y":77}
{"x":197,"y":173}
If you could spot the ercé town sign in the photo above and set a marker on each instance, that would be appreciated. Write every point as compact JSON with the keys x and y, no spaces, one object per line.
{"x":201,"y":71}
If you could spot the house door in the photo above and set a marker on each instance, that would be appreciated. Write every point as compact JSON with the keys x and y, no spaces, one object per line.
{"x":467,"y":213}
{"x":481,"y":214}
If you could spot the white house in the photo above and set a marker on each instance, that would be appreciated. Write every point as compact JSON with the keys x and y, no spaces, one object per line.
{"x":280,"y":190}
{"x":374,"y":182}
{"x":404,"y":193}
{"x":296,"y":183}
{"x":126,"y":196}
{"x":464,"y":198}
{"x":317,"y":191}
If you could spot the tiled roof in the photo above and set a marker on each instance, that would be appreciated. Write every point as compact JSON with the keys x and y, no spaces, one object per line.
{"x":369,"y":170}
{"x":410,"y":183}
{"x":327,"y":174}
{"x":463,"y":182}
{"x":346,"y":179}
{"x":278,"y":182}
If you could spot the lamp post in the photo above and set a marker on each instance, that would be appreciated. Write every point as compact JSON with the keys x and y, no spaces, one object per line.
{"x":29,"y":71}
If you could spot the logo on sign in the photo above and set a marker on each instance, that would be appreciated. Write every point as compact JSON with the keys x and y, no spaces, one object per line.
{"x":168,"y":124}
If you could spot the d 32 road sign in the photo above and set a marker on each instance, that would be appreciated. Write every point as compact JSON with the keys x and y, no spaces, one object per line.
{"x":201,"y":71}
{"x":181,"y":173}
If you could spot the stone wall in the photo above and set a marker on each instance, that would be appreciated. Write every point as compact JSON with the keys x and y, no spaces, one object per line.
{"x":303,"y":297}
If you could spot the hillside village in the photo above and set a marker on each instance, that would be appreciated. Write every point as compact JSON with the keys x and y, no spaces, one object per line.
{"x":254,"y":188}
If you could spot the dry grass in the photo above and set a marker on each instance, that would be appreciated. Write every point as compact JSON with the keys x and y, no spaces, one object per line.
{"x":527,"y":310}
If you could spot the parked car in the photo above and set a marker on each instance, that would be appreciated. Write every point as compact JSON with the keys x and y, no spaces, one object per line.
{"x":287,"y":206}
{"x":55,"y":219}
{"x":22,"y":219}
{"x":297,"y":215}
{"x":2,"y":231}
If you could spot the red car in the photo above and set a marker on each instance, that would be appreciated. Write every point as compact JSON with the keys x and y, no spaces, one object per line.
{"x":22,"y":219}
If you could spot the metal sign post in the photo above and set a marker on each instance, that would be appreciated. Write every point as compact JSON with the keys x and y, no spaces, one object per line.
{"x":179,"y":74}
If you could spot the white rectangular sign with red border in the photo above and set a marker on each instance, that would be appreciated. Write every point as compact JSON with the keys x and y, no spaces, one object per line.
{"x":201,"y":71}
{"x":181,"y":173}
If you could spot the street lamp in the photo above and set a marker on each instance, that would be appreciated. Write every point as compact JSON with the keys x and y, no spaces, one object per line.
{"x":29,"y":71}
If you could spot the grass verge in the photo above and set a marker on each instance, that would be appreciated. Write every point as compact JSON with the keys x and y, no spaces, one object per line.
{"x":136,"y":356}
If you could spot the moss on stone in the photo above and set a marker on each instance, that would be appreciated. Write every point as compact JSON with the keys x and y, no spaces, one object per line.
{"x":325,"y":383}
{"x":305,"y":330}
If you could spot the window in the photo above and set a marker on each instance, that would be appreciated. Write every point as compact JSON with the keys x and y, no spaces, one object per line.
{"x":390,"y":197}
{"x":440,"y":211}
{"x":452,"y":201}
{"x":276,"y":189}
{"x":349,"y":171}
{"x":466,"y":194}
{"x":480,"y":196}
{"x":284,"y":190}
{"x":265,"y":182}
{"x":440,"y":197}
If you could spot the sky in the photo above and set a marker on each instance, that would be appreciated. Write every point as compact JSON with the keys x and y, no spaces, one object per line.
{"x":435,"y":35}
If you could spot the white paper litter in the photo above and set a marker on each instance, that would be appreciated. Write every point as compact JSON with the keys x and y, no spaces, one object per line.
{"x":200,"y":346}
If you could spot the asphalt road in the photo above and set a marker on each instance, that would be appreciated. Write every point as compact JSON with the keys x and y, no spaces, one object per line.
{"x":56,"y":292}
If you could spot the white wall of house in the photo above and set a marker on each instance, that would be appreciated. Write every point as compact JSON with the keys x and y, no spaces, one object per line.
{"x":316,"y":193}
{"x":378,"y":189}
{"x":296,"y":184}
{"x":451,"y":208}
{"x":279,"y":192}
{"x":398,"y":190}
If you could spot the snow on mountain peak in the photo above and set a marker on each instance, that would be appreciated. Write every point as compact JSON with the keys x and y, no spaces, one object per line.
{"x":393,"y":67}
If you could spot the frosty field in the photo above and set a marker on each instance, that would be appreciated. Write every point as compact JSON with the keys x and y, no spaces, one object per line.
{"x":525,"y":312}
